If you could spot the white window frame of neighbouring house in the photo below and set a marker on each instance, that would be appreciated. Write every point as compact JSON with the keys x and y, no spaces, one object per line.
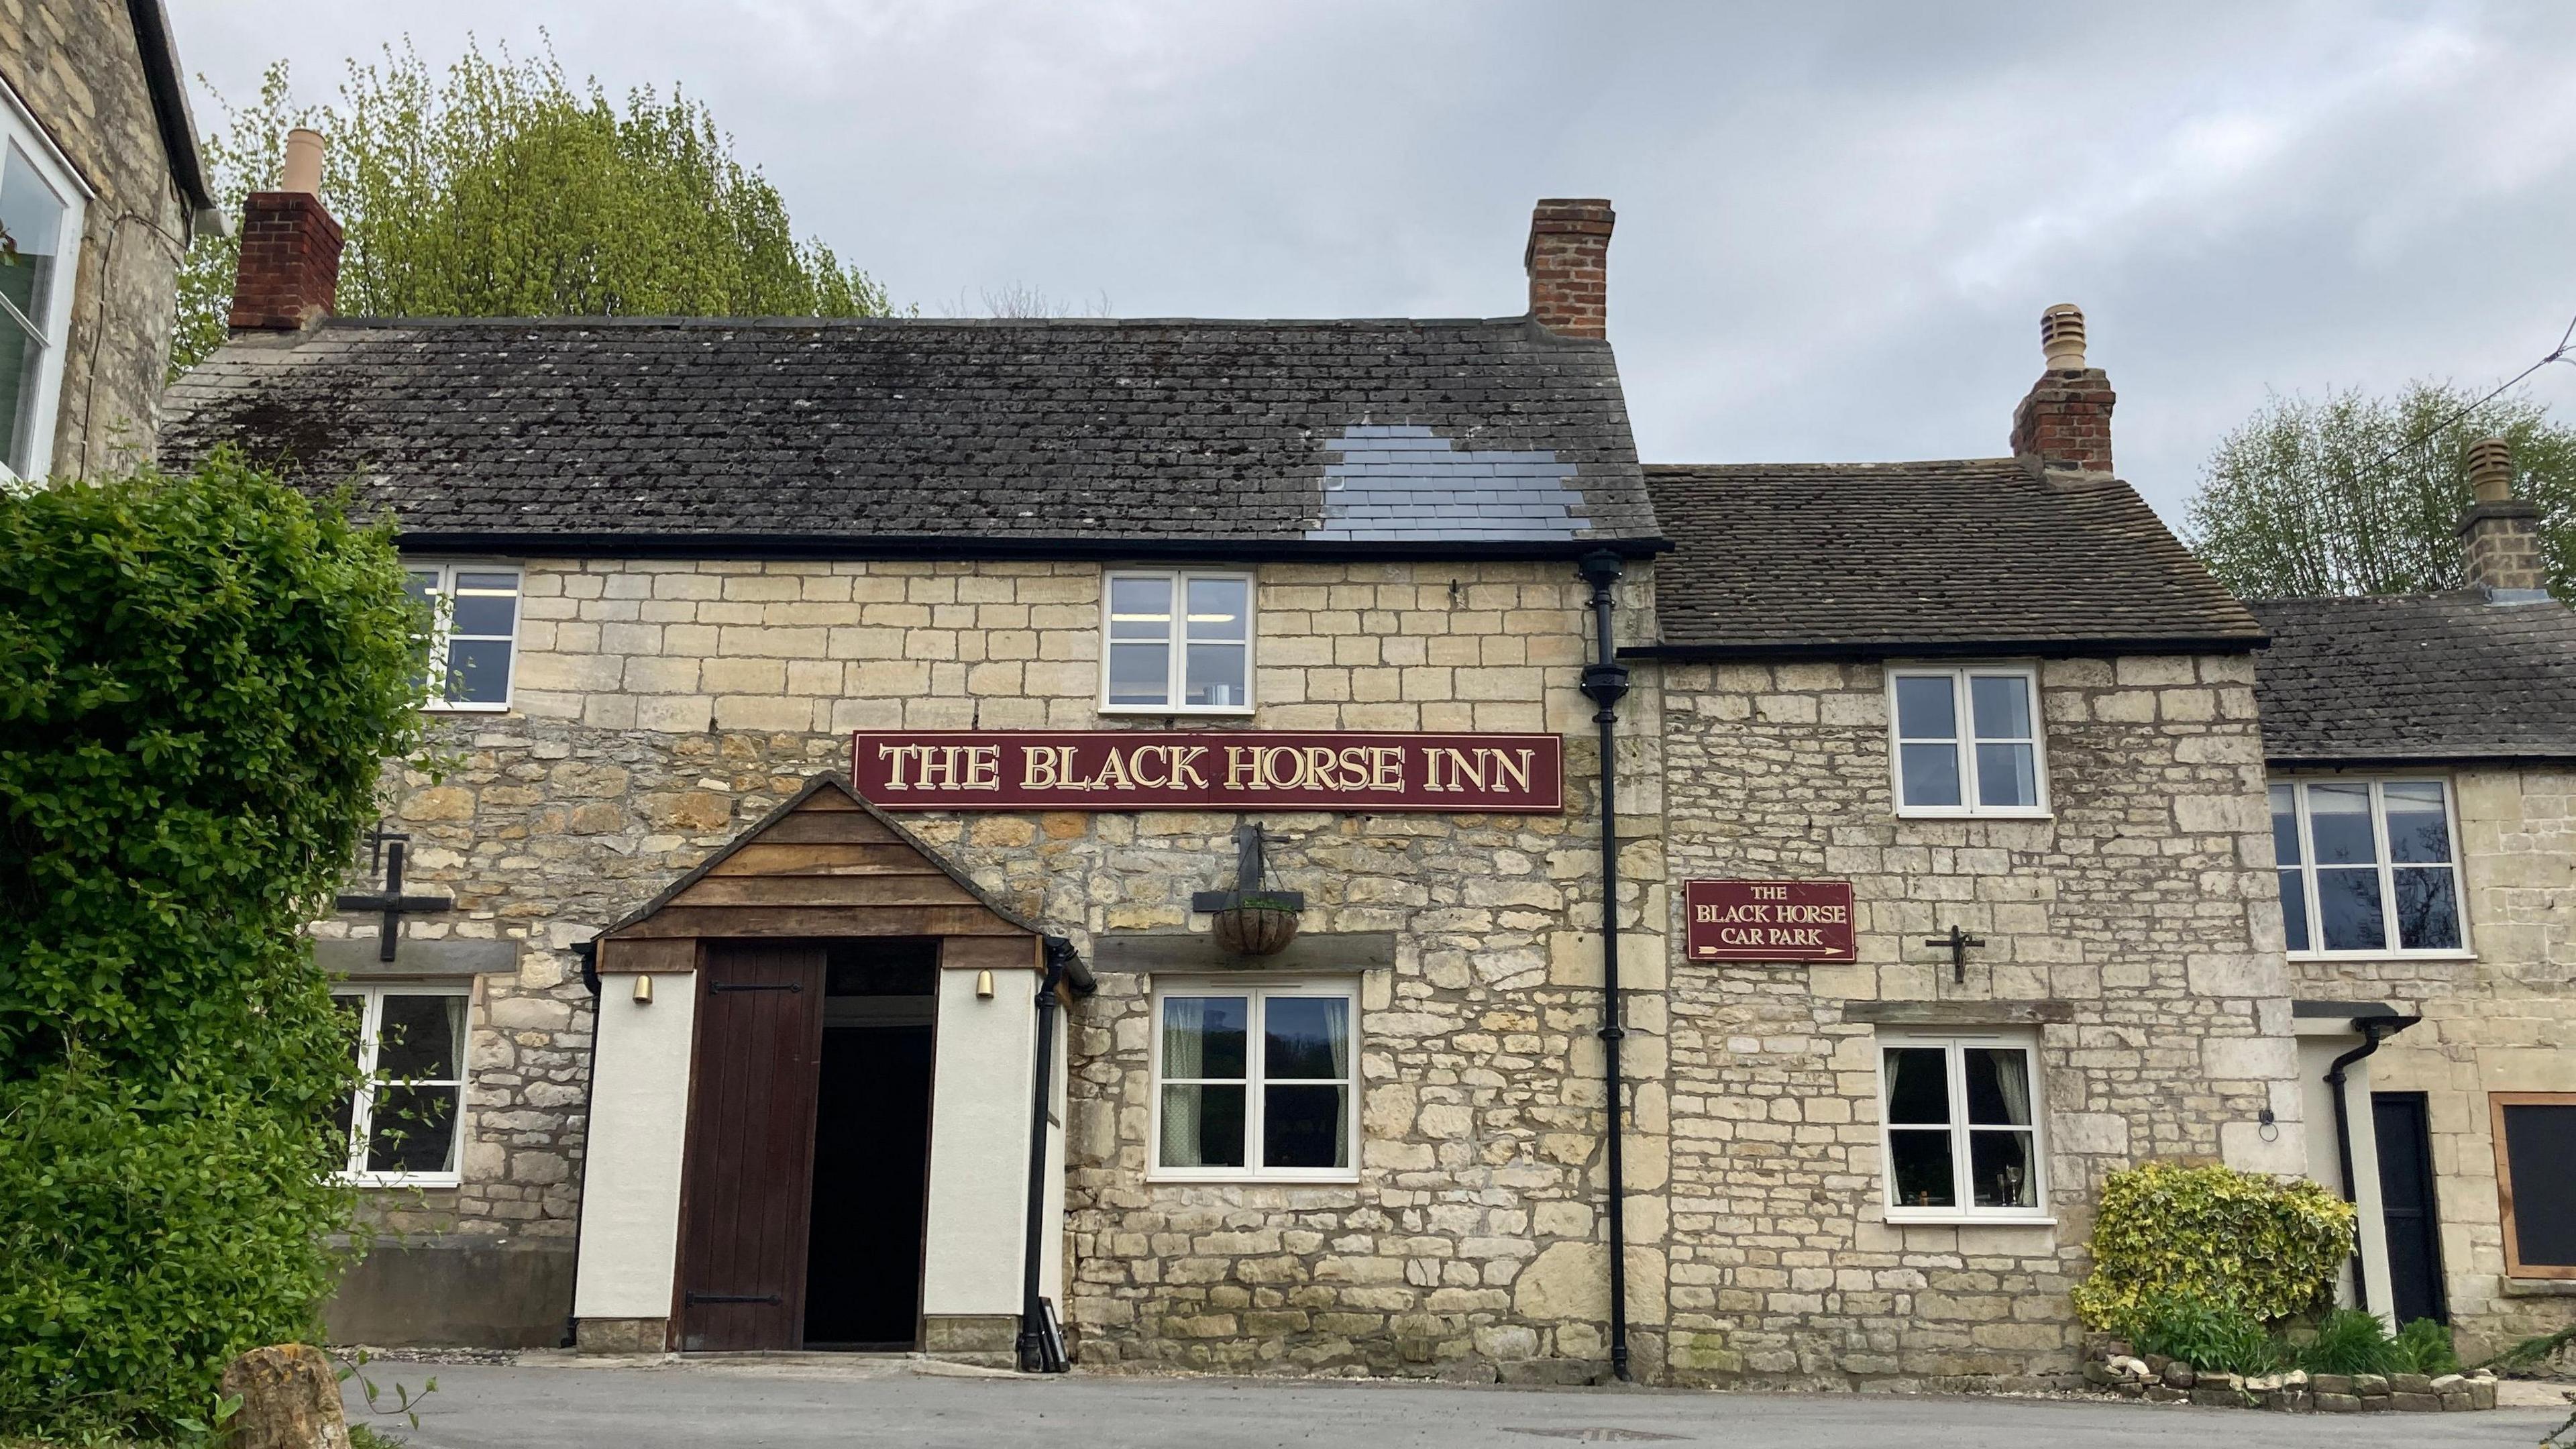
{"x":370,"y":1103}
{"x":34,"y":173}
{"x":1174,"y":1080}
{"x":2302,"y":874}
{"x":1976,"y":745}
{"x":1189,"y":634}
{"x":463,"y":595}
{"x":1966,"y":1119}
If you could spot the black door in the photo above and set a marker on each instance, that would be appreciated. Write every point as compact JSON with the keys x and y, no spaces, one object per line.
{"x":2406,"y":1199}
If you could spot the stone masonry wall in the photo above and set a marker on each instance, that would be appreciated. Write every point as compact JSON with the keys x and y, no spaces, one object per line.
{"x":2501,"y":1022}
{"x":2145,"y":903}
{"x":75,"y":64}
{"x":662,"y":707}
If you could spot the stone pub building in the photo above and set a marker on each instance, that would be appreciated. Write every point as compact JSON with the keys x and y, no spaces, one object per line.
{"x":1094,"y":837}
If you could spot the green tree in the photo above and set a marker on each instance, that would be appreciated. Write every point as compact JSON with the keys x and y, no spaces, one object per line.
{"x":501,"y":190}
{"x":199,"y":676}
{"x":2363,"y":495}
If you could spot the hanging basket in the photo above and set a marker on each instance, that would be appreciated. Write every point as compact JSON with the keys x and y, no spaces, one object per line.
{"x":1254,"y":927}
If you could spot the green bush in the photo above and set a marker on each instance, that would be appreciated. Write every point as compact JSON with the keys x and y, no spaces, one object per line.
{"x":2265,"y":1246}
{"x":2424,"y":1347}
{"x":2349,"y":1341}
{"x":199,"y":678}
{"x":2206,"y":1333}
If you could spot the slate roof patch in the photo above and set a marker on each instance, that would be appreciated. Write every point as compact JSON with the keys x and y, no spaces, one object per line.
{"x":887,"y":430}
{"x":2416,"y":677}
{"x":1871,"y":560}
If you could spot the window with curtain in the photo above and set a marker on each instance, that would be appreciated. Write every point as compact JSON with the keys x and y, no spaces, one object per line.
{"x":1178,"y":642}
{"x":1255,"y":1082}
{"x":406,"y":1122}
{"x":2367,"y":867}
{"x":1967,"y":741}
{"x":40,"y":236}
{"x":1961,"y":1125}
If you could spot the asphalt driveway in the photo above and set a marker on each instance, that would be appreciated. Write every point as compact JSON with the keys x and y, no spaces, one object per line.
{"x":543,"y":1404}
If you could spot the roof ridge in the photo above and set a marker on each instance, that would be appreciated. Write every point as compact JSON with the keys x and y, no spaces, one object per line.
{"x":366,"y":322}
{"x":1871,"y":465}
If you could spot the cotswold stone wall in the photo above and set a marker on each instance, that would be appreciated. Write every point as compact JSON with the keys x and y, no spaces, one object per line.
{"x":74,"y":64}
{"x":661,"y":707}
{"x":2144,"y":905}
{"x":2501,"y":1022}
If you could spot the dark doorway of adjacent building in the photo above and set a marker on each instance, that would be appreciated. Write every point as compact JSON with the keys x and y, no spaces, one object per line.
{"x":871,"y":1146}
{"x":2403,"y":1130}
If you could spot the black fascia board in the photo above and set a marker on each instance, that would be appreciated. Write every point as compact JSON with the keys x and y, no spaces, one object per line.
{"x":2425,"y":759}
{"x":817,"y":546}
{"x":1946,"y":648}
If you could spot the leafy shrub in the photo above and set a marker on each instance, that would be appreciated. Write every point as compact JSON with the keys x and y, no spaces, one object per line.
{"x":2204,"y":1332}
{"x":2349,"y":1341}
{"x":2263,"y":1245}
{"x":199,"y":677}
{"x":2424,"y":1347}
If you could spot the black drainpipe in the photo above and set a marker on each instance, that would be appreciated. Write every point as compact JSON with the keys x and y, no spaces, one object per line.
{"x":1037,"y":1354}
{"x":2374,"y":1030}
{"x":1605,"y":682}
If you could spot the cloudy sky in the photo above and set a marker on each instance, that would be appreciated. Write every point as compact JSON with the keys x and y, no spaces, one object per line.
{"x":1837,"y":227}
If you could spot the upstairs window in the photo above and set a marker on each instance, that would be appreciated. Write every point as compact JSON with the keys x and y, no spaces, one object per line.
{"x":404,"y":1124}
{"x":473,"y":612}
{"x":1179,"y":642}
{"x":2367,"y":867}
{"x":40,"y":231}
{"x":1967,"y":742}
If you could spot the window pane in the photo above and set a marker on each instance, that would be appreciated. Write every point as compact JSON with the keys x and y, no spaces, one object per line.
{"x":1140,"y":608}
{"x":1216,"y":675}
{"x":1219,"y":608}
{"x":2419,"y":831}
{"x":1202,"y":1126}
{"x":1304,"y":1127}
{"x":478,"y":671}
{"x":1931,"y":774}
{"x":483,"y":613}
{"x":1923,"y":708}
{"x":1998,"y":1085}
{"x":1918,"y":1085}
{"x":2007,"y":775}
{"x":1204,"y":1036}
{"x":1140,"y":673}
{"x":414,"y":1130}
{"x":2001,"y":705}
{"x":1919,"y":1162}
{"x":2285,"y":824}
{"x":2348,"y":910}
{"x":353,"y":1018}
{"x":31,"y":226}
{"x":2003,"y":1170}
{"x":2428,"y":909}
{"x":22,"y":362}
{"x":2339,"y":819}
{"x":419,"y":1038}
{"x":1305,"y":1037}
{"x":2294,"y":910}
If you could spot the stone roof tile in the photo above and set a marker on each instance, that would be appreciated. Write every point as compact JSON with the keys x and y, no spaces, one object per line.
{"x":2416,"y":677}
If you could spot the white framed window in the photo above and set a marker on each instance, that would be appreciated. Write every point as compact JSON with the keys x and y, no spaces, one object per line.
{"x":1967,"y":741}
{"x":1177,"y":641}
{"x":1960,"y":1123}
{"x":41,"y":201}
{"x":406,"y":1122}
{"x":474,"y":641}
{"x":1256,"y":1081}
{"x":2368,"y":867}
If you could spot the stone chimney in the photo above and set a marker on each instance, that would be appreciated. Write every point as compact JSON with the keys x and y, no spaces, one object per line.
{"x":2063,"y":428}
{"x":1568,"y":261}
{"x":290,"y":247}
{"x":2500,"y":534}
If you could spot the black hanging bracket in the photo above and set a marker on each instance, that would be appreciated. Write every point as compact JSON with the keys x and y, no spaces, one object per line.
{"x":1250,"y":869}
{"x":1960,"y":943}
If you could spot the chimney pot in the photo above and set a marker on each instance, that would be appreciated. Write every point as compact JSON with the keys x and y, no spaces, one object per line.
{"x":1568,"y":260}
{"x":288,"y":277}
{"x":2063,"y":427}
{"x":2491,"y":470}
{"x":303,"y":169}
{"x":2500,"y":534}
{"x":2061,"y":337}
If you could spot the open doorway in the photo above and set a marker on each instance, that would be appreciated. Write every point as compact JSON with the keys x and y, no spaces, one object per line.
{"x":871,"y":1145}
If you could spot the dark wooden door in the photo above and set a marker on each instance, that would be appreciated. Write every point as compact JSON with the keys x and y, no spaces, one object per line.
{"x":2404,"y":1134}
{"x":750,"y":1176}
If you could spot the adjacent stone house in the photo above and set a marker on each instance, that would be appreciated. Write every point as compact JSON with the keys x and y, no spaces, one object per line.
{"x":2423,"y":758}
{"x":101,"y":189}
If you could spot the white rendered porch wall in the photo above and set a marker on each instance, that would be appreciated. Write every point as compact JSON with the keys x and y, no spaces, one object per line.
{"x":979,"y":1145}
{"x":638,"y":1138}
{"x":2320,"y":1042}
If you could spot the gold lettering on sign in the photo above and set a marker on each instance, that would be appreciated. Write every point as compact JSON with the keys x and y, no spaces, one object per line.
{"x":1386,"y":768}
{"x":899,"y":755}
{"x":983,"y":767}
{"x":1242,"y":767}
{"x":1185,"y":771}
{"x":1037,"y":768}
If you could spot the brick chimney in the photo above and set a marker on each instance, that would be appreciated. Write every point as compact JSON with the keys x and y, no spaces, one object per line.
{"x":1568,"y":261}
{"x":2063,"y":428}
{"x":2500,"y":534}
{"x":290,"y":247}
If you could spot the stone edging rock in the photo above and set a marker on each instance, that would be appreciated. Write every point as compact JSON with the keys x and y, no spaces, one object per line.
{"x":2108,"y":1364}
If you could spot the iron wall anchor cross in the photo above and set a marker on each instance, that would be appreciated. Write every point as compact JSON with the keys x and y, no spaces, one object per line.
{"x":1960,"y":944}
{"x":391,"y":901}
{"x":1250,"y":870}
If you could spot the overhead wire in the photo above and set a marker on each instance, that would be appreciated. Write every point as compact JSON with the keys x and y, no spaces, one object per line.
{"x":2560,"y":353}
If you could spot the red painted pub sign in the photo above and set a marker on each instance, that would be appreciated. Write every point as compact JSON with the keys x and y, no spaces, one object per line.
{"x":1208,"y":770}
{"x":1769,"y":920}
